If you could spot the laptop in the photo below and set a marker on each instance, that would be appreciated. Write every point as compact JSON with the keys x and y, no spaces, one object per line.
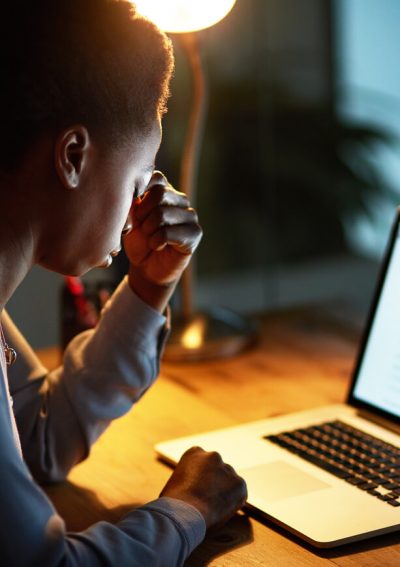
{"x":329,"y":475}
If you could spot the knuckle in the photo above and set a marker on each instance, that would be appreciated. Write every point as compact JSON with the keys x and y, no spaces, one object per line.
{"x":199,"y":231}
{"x":195,"y":237}
{"x":185,"y":199}
{"x":215,"y":457}
{"x":194,"y":449}
{"x":229,"y":469}
{"x":193,"y":215}
{"x":181,"y":199}
{"x":159,"y":177}
{"x":242,"y":487}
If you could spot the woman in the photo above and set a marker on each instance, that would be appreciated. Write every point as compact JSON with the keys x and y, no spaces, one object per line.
{"x":84,"y":88}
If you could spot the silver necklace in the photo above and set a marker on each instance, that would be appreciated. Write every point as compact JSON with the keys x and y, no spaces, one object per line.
{"x":9,"y":353}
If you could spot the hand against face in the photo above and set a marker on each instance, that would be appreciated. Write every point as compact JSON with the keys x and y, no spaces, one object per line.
{"x":165,"y":233}
{"x":205,"y":481}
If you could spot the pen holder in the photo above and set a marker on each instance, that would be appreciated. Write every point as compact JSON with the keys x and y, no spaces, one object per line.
{"x":81,"y":305}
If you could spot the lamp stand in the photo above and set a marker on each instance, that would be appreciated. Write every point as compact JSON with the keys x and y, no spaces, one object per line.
{"x":218,"y":332}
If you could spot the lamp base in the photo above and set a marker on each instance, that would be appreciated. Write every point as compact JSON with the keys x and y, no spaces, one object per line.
{"x":208,"y":335}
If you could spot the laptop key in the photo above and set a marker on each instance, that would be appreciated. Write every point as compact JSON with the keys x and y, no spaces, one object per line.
{"x":355,"y":480}
{"x":367,"y":486}
{"x":372,"y":476}
{"x":389,"y":485}
{"x":385,"y":497}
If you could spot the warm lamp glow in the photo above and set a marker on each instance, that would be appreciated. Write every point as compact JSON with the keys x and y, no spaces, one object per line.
{"x":193,"y":336}
{"x":184,"y":16}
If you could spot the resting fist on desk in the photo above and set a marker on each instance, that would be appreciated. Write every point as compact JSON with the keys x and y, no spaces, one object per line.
{"x":203,"y":479}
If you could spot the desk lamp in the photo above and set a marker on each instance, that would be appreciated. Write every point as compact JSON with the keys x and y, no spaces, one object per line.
{"x":219,"y":332}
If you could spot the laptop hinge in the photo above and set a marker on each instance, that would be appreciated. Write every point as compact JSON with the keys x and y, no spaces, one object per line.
{"x":379,"y":420}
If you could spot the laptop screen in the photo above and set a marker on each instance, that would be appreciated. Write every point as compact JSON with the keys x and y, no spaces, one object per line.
{"x":377,"y":380}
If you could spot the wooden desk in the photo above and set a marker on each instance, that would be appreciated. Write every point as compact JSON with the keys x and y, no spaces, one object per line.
{"x":303,"y":360}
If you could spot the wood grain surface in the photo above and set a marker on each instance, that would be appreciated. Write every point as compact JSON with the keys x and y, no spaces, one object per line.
{"x":303,"y":359}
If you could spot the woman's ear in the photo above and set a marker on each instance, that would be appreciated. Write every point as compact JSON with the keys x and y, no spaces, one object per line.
{"x":71,"y":155}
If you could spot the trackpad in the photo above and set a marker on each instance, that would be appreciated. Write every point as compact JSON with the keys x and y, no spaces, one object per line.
{"x":279,"y":480}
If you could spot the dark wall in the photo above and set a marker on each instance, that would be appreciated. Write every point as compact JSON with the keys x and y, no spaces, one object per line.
{"x":268,"y":69}
{"x":280,"y":172}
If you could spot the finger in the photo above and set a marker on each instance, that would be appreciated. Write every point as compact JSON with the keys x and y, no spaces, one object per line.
{"x":184,"y":238}
{"x":239,"y":484}
{"x":156,"y":196}
{"x":193,"y":450}
{"x":242,"y":491}
{"x":167,"y":216}
{"x":229,"y":469}
{"x":158,"y":178}
{"x":215,"y":458}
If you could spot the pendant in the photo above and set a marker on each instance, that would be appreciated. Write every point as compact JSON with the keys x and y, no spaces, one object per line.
{"x":10,"y":355}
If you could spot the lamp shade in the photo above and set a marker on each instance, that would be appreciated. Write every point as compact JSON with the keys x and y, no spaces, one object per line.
{"x":184,"y":16}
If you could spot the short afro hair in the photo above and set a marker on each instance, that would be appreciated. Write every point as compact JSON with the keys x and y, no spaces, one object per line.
{"x":94,"y":62}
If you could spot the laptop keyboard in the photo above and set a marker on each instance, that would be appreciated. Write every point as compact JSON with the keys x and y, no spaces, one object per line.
{"x":350,"y":454}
